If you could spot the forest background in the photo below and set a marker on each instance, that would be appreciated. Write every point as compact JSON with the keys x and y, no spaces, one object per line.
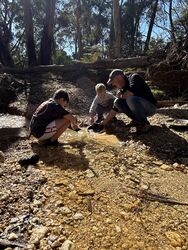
{"x":43,"y":32}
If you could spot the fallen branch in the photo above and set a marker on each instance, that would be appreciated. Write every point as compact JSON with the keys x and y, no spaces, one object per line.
{"x":160,"y":198}
{"x":7,"y":243}
{"x":100,"y":64}
{"x":168,"y":103}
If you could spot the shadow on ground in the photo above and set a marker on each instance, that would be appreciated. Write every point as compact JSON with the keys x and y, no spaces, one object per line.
{"x":67,"y":156}
{"x":174,"y":113}
{"x":162,"y":142}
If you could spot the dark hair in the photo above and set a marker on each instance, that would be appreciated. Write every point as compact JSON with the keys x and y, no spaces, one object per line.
{"x":60,"y":93}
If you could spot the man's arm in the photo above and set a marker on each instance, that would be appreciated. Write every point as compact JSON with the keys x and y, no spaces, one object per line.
{"x":126,"y":94}
{"x":110,"y":115}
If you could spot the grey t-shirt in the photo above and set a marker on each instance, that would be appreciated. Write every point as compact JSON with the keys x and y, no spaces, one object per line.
{"x":102,"y":101}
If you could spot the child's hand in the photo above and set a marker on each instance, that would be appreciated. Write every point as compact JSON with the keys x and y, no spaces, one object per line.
{"x":92,"y":120}
{"x":74,"y":126}
{"x":119,"y":94}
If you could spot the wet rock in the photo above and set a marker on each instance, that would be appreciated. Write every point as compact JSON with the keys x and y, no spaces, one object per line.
{"x":67,"y":245}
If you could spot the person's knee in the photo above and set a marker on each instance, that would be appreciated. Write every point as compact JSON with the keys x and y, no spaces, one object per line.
{"x":132,"y":100}
{"x":118,"y":102}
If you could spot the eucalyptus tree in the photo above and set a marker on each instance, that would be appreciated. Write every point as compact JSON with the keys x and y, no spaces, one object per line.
{"x":154,"y":5}
{"x":7,"y":15}
{"x":29,"y":34}
{"x":117,"y":28}
{"x":132,"y":12}
{"x":47,"y":40}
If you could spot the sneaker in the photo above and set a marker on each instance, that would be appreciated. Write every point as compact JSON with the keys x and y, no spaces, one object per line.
{"x":142,"y":128}
{"x":114,"y":119}
{"x":133,"y":123}
{"x":52,"y":143}
{"x":100,"y":119}
{"x":96,"y":127}
{"x":76,"y":129}
{"x":99,"y":129}
{"x":30,"y":160}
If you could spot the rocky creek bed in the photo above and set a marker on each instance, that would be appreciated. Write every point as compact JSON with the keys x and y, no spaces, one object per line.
{"x":113,"y":190}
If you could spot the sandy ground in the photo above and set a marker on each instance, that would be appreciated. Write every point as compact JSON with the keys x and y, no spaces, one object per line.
{"x":114,"y":190}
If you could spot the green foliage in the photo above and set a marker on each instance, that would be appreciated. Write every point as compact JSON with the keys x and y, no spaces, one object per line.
{"x":158,"y":94}
{"x":61,"y":57}
{"x":93,"y":19}
{"x":158,"y":48}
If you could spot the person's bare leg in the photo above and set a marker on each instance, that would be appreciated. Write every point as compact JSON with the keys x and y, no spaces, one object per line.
{"x":61,"y":125}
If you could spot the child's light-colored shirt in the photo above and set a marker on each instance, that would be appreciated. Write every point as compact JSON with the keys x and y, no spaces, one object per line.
{"x":101,"y":101}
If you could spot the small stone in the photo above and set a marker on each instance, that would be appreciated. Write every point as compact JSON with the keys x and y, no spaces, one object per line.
{"x":65,"y":210}
{"x":89,"y":173}
{"x":4,"y":196}
{"x":56,"y":244}
{"x":118,"y":229}
{"x":125,"y":216}
{"x":175,"y":164}
{"x":166,"y":167}
{"x":176,"y":105}
{"x":87,"y":192}
{"x":12,"y":236}
{"x":174,"y":238}
{"x":67,"y":245}
{"x":78,"y":216}
{"x":38,"y":234}
{"x":144,"y":187}
{"x":109,"y":221}
{"x":158,"y":163}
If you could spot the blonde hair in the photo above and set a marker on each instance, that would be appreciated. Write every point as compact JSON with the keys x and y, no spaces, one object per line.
{"x":100,"y":87}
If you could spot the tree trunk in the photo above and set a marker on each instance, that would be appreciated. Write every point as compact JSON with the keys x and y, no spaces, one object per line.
{"x":131,"y":11}
{"x":6,"y":19}
{"x":47,"y":36}
{"x":78,"y":31}
{"x":5,"y":56}
{"x":185,"y":45}
{"x":117,"y":28}
{"x":151,"y":26}
{"x":30,"y":44}
{"x":171,"y":23}
{"x":111,"y":39}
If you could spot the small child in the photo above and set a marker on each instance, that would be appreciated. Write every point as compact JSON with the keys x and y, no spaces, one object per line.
{"x":51,"y":119}
{"x":102,"y":103}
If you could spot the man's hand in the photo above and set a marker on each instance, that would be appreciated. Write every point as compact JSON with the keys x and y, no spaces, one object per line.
{"x":127,"y":94}
{"x":110,"y":115}
{"x":119,"y":94}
